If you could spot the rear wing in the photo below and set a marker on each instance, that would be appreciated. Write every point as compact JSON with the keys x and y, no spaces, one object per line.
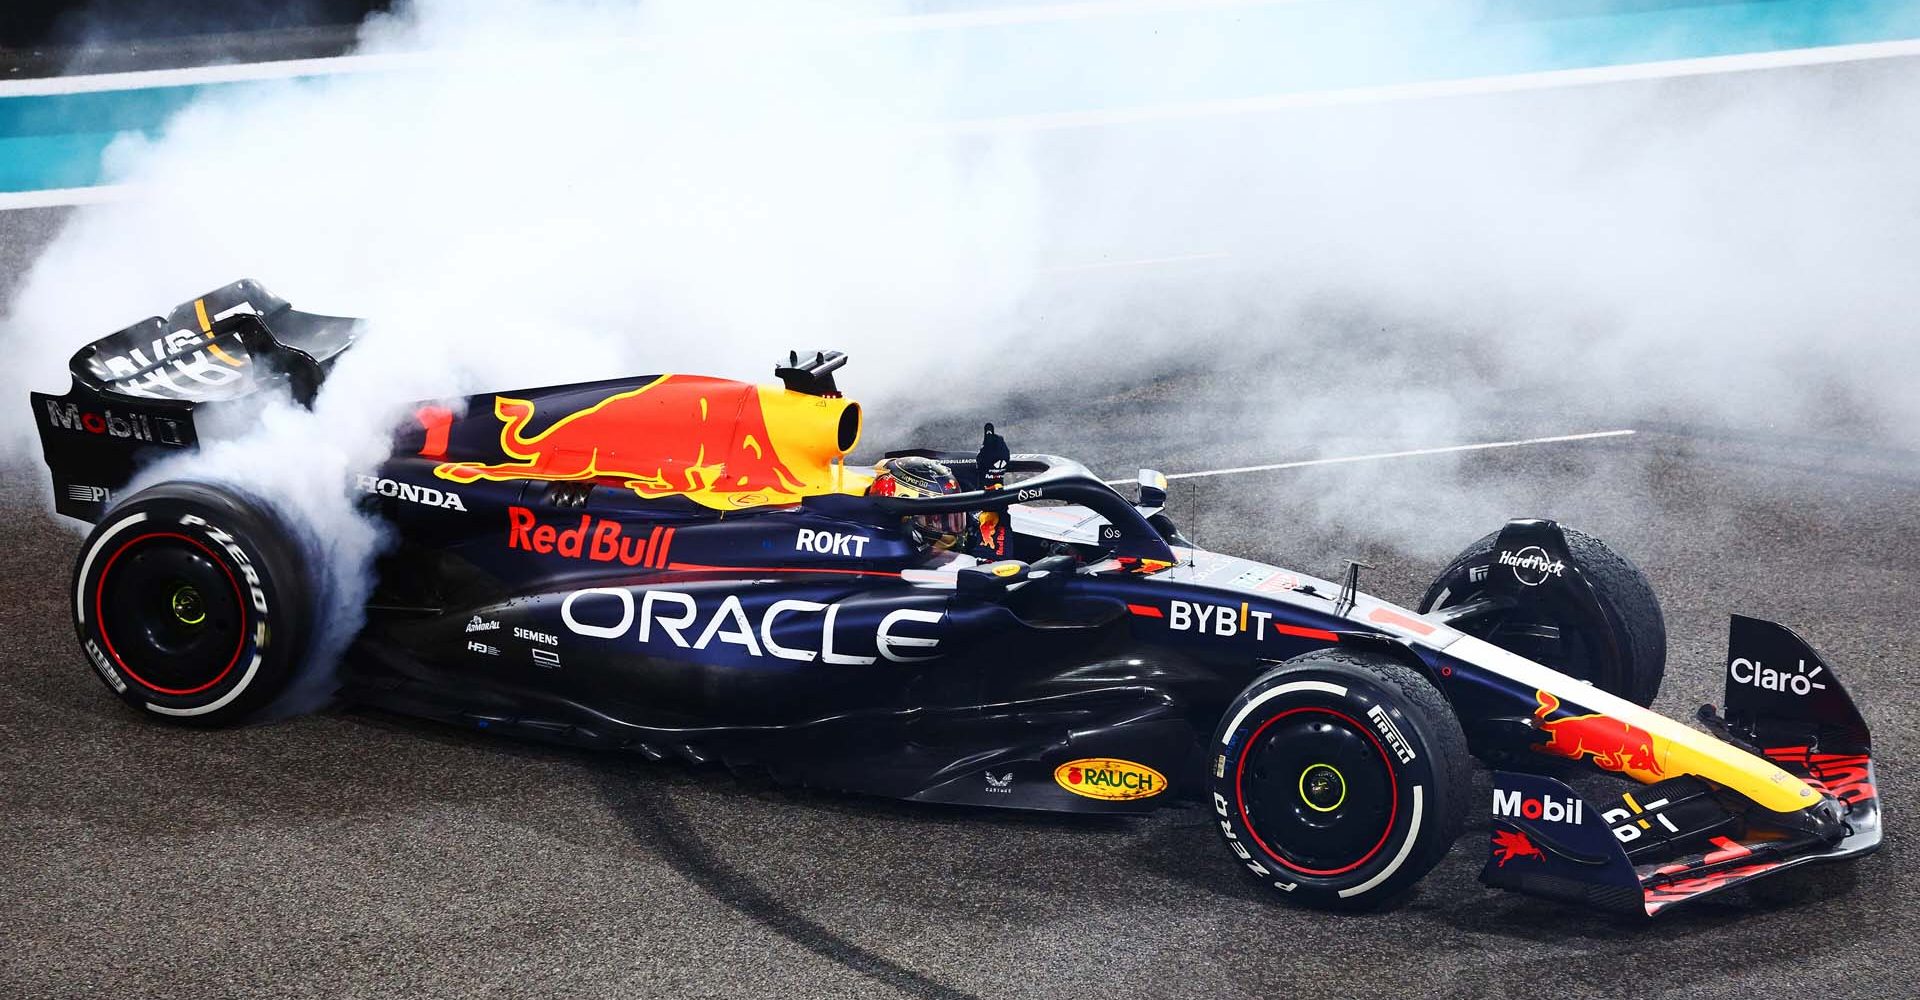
{"x":143,"y":392}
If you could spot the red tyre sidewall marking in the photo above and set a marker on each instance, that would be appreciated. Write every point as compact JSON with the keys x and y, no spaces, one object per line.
{"x":99,"y":614}
{"x":1240,"y":797}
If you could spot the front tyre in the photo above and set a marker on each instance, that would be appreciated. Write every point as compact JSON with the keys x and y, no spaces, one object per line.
{"x":1622,"y":649}
{"x":1340,"y":778}
{"x":191,"y":603}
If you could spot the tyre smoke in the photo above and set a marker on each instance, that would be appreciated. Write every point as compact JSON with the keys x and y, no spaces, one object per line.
{"x":528,"y":193}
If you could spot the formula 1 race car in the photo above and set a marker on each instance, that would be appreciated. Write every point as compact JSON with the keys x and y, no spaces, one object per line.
{"x":687,"y":567}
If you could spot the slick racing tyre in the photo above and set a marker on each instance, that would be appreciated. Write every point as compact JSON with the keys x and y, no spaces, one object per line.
{"x":1545,"y":628}
{"x":191,"y":603}
{"x":1340,"y":778}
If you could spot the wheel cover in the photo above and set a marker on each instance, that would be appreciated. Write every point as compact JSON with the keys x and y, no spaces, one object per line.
{"x":1317,"y":791}
{"x":1322,"y":787}
{"x":170,"y":613}
{"x":189,"y":608}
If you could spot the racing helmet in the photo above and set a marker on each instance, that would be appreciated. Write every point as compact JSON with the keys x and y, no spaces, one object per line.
{"x":913,"y":476}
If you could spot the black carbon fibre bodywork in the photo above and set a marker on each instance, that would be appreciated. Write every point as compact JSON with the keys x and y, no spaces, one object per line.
{"x":802,"y":664}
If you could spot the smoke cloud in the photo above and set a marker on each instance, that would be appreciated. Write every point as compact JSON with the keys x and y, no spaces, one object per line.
{"x":570,"y":190}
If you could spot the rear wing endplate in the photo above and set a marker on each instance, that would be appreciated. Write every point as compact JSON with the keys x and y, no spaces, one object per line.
{"x":141,"y":393}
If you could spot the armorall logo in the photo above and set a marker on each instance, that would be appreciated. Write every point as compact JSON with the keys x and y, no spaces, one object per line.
{"x":80,"y":493}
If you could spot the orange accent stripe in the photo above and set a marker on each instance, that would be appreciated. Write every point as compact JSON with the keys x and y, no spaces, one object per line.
{"x":695,"y":568}
{"x":653,"y":541}
{"x":200,"y":310}
{"x":1386,"y":616}
{"x":1728,"y":850}
{"x":1146,"y":611}
{"x":1307,"y":633}
{"x":438,"y":423}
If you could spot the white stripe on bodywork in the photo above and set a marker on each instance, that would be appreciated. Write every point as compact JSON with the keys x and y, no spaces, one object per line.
{"x":221,"y":702}
{"x":1406,"y":848}
{"x":80,"y":581}
{"x":1763,"y":781}
{"x":932,"y":579}
{"x":1260,"y":699}
{"x":1513,"y":666}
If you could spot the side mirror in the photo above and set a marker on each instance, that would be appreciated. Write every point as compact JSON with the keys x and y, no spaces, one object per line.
{"x":1050,"y":574}
{"x":990,"y":581}
{"x":1059,"y":566}
{"x":1153,"y":491}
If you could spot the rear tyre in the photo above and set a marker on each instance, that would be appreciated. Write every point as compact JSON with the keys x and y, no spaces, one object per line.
{"x":1340,"y":779}
{"x":1544,"y":629}
{"x":191,"y":603}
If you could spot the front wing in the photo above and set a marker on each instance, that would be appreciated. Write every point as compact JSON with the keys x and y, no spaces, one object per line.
{"x":1662,"y":845}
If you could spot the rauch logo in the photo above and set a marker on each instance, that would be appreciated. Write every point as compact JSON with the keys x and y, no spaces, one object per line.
{"x":1110,"y":779}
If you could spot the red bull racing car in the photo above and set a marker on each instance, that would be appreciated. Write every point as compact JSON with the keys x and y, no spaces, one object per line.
{"x":688,"y":568}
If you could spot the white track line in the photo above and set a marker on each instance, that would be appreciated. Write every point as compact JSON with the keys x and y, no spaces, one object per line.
{"x":1021,"y":123}
{"x":56,"y":197}
{"x":1384,"y":455}
{"x":1055,"y":13}
{"x":92,"y":83}
{"x":334,"y":65}
{"x":1469,"y":86}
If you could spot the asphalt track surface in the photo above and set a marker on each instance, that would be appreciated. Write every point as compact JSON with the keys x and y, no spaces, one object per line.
{"x":354,"y":853}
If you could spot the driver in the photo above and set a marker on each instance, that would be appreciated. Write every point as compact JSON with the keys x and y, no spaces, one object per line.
{"x":953,"y":532}
{"x":982,"y":534}
{"x":913,"y":476}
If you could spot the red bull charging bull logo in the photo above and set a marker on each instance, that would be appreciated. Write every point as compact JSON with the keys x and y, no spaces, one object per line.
{"x":1614,"y":745}
{"x":706,"y":439}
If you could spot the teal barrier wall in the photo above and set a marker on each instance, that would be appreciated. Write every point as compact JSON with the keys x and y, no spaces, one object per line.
{"x":56,"y":141}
